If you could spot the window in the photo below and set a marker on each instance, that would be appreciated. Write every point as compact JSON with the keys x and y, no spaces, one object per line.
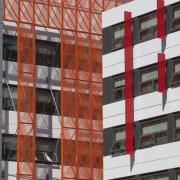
{"x":44,"y":100}
{"x":9,"y":147}
{"x":177,"y":127}
{"x":118,"y":88}
{"x":118,"y":37}
{"x":10,"y":48}
{"x":46,"y":149}
{"x":153,"y":132}
{"x":178,"y":175}
{"x":119,"y":141}
{"x":149,"y":80}
{"x":176,"y":18}
{"x":160,"y":176}
{"x":148,"y":27}
{"x":7,"y":101}
{"x":47,"y":53}
{"x":176,"y":74}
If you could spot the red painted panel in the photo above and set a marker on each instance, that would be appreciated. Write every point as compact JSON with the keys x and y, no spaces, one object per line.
{"x":160,"y":19}
{"x":128,"y":82}
{"x":161,"y":73}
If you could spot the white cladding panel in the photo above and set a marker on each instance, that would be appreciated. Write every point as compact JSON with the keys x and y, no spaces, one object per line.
{"x":144,"y":54}
{"x":137,"y":7}
{"x":147,"y":160}
{"x":53,"y":171}
{"x":46,"y":125}
{"x":145,"y":106}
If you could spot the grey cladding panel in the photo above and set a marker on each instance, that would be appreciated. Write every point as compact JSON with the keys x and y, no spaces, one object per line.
{"x":107,"y":90}
{"x":108,"y":137}
{"x":107,"y":40}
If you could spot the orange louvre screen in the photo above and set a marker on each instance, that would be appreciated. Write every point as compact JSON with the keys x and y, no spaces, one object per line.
{"x":81,"y":82}
{"x":26,"y":102}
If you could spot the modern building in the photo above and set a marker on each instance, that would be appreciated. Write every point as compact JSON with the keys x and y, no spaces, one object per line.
{"x":51,"y":115}
{"x":48,"y":103}
{"x":156,"y":115}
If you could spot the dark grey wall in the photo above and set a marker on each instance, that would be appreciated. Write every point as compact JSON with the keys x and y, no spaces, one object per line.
{"x":1,"y":69}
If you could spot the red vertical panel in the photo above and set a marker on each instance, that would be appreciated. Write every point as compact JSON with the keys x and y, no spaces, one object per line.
{"x":128,"y":82}
{"x":161,"y":73}
{"x":160,"y":19}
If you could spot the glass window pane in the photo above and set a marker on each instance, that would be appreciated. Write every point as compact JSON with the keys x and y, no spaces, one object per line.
{"x":10,"y":48}
{"x":148,"y":22}
{"x":177,"y":66}
{"x":154,"y":126}
{"x":177,"y":121}
{"x":149,"y":74}
{"x":177,"y":12}
{"x":119,"y":134}
{"x":157,"y":177}
{"x":118,"y":32}
{"x":118,"y":93}
{"x":178,"y":175}
{"x":146,"y":87}
{"x":119,"y":82}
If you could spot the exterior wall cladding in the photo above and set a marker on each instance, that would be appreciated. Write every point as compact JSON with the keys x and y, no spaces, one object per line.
{"x":156,"y":121}
{"x":48,"y":127}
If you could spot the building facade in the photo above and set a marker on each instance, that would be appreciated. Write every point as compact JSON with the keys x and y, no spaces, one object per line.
{"x":42,"y":101}
{"x":156,"y":115}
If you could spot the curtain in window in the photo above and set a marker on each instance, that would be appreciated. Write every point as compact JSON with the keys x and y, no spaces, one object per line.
{"x":178,"y":176}
{"x":149,"y":75}
{"x":177,"y":66}
{"x":153,"y":127}
{"x":119,"y":82}
{"x":118,"y":32}
{"x":157,"y":177}
{"x":148,"y":22}
{"x":177,"y":12}
{"x":177,"y":121}
{"x":119,"y":135}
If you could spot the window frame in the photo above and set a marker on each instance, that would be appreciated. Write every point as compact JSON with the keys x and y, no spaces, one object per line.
{"x":175,"y":19}
{"x":153,"y":28}
{"x":177,"y":129}
{"x":154,"y":135}
{"x":144,"y":177}
{"x":121,"y":143}
{"x":114,"y":79}
{"x":152,"y":80}
{"x":116,"y":39}
{"x":38,"y":139}
{"x":176,"y":172}
{"x":174,"y":74}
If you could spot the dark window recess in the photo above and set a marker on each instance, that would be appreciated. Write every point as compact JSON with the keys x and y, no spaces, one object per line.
{"x":118,"y":87}
{"x":176,"y":18}
{"x":118,"y":37}
{"x":153,"y":132}
{"x":119,"y":146}
{"x":175,"y":81}
{"x":148,"y":27}
{"x":46,"y":149}
{"x":10,"y":48}
{"x":177,"y":127}
{"x":149,"y":80}
{"x":47,"y":53}
{"x":178,"y":175}
{"x":44,"y":100}
{"x":162,"y":176}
